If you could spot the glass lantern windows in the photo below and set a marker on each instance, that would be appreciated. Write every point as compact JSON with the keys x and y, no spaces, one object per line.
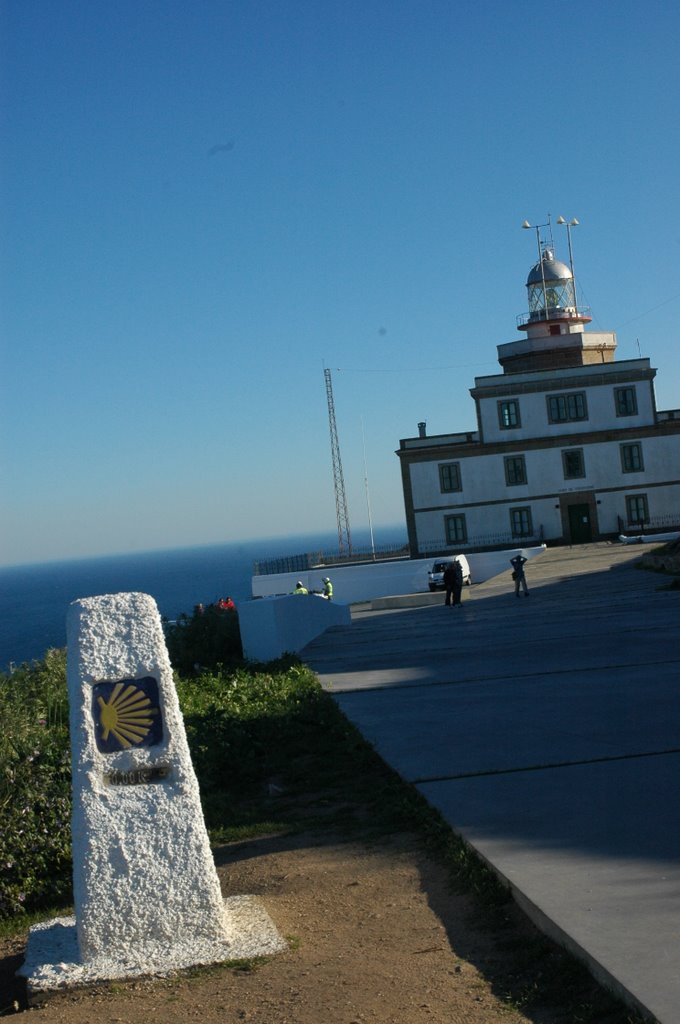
{"x":559,"y":297}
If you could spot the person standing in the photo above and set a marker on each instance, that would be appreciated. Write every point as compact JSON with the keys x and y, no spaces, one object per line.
{"x":457,"y":582}
{"x":327,"y":589}
{"x":518,"y":576}
{"x":453,"y":581}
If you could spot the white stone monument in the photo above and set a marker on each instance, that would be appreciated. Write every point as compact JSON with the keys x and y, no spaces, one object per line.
{"x":146,"y":892}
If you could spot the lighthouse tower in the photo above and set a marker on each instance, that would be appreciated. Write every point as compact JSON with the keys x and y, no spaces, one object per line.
{"x":554,"y":324}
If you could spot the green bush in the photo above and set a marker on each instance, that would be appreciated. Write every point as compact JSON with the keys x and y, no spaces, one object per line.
{"x":206,"y":639}
{"x":35,"y":790}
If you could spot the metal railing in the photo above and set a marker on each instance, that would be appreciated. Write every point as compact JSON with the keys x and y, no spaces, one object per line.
{"x":326,"y":560}
{"x":552,"y":313}
{"x":655,"y":524}
{"x":482,"y":542}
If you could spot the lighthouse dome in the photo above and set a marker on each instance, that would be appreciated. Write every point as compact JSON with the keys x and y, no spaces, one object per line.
{"x":553,"y":270}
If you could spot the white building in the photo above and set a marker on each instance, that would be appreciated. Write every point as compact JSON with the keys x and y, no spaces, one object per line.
{"x":569,"y":445}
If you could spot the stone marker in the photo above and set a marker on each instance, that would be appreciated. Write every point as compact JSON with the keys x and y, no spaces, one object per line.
{"x":146,"y":892}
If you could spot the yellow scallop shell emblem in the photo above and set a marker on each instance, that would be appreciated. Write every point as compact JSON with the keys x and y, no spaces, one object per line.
{"x":127,"y":715}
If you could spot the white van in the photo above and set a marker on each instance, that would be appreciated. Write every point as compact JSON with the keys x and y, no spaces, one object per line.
{"x":435,"y":575}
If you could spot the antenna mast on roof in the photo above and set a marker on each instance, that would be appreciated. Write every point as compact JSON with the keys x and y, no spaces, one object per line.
{"x":344,"y":536}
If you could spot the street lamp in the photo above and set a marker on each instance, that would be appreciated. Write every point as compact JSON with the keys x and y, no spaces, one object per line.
{"x":573,"y":223}
{"x":538,"y":227}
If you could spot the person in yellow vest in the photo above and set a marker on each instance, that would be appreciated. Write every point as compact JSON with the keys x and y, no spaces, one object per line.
{"x":300,"y":588}
{"x":328,"y":589}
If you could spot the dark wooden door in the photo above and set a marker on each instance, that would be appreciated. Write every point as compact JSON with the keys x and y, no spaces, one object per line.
{"x":580,"y":529}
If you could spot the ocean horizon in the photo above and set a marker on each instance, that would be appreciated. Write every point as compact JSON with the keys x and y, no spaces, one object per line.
{"x":34,"y":598}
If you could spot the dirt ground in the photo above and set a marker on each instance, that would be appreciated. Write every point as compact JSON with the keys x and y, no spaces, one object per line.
{"x":374,"y":934}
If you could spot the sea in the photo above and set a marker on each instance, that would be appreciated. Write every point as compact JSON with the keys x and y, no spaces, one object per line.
{"x":34,"y":599}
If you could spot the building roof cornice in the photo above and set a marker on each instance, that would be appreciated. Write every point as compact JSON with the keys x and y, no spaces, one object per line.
{"x":601,"y":375}
{"x":438,"y":450}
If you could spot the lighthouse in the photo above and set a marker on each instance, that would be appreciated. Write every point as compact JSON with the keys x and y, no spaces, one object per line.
{"x":554,"y":324}
{"x":569,"y":445}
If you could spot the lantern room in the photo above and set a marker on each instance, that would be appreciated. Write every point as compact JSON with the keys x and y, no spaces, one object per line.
{"x":554,"y":323}
{"x":551,"y":289}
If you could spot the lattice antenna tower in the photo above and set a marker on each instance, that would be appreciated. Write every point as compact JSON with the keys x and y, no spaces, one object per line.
{"x":344,"y":535}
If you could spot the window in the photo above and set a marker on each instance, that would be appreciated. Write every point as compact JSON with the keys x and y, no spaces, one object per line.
{"x":456,"y":530}
{"x":508,"y":414}
{"x":626,"y":401}
{"x":520,"y":522}
{"x":572,"y":463}
{"x":631,"y":458}
{"x":564,"y":408}
{"x":636,"y":509}
{"x":515,"y":470}
{"x":449,"y":476}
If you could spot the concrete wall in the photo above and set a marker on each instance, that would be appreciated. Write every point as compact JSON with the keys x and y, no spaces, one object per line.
{"x":352,"y":583}
{"x":278,"y":625}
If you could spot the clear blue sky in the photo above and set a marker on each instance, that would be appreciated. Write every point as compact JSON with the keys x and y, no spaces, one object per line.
{"x":204,"y":203}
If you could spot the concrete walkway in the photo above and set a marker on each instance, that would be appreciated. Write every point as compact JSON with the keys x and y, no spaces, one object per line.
{"x":547,"y":731}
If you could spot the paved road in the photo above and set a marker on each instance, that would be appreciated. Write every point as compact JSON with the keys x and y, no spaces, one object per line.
{"x":547,"y":731}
